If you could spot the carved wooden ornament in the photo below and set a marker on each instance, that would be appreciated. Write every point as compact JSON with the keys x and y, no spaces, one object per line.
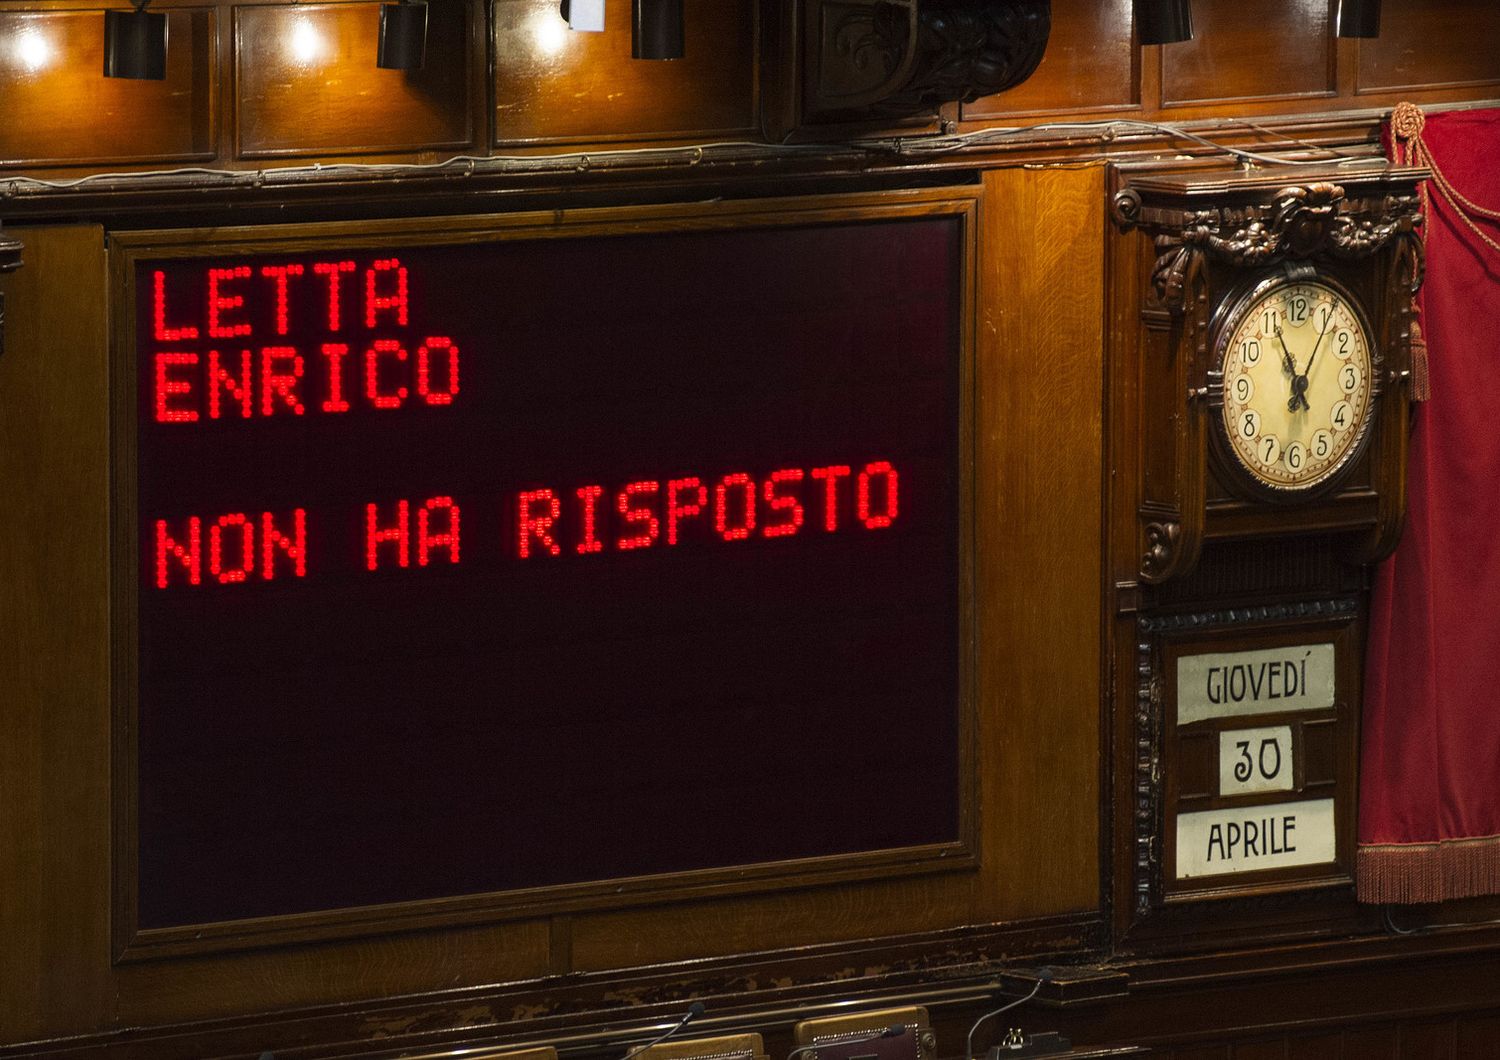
{"x":873,"y":59}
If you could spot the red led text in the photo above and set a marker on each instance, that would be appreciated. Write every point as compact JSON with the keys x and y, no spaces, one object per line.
{"x":229,"y":294}
{"x":591,"y":520}
{"x":232,"y":548}
{"x":234,"y":353}
{"x":286,"y":381}
{"x":389,"y":538}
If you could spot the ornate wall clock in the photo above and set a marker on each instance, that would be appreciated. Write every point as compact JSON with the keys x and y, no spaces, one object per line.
{"x":1260,"y":417}
{"x":1275,"y":359}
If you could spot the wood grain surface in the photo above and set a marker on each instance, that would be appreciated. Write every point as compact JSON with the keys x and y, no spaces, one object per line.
{"x":1439,"y":43}
{"x":553,"y":85}
{"x":1041,"y":404}
{"x":54,"y":671}
{"x":1277,"y":49}
{"x":1252,"y":60}
{"x":305,"y":78}
{"x":60,"y":108}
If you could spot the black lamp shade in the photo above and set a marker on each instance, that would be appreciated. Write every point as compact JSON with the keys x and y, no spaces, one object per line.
{"x":135,"y":45}
{"x":403,"y":36}
{"x":1359,"y":18}
{"x":657,"y":28}
{"x":1163,"y":21}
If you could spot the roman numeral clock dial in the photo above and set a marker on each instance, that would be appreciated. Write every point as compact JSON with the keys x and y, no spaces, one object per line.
{"x":1297,"y":385}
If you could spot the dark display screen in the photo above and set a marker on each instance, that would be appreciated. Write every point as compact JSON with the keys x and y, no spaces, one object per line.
{"x":468,"y":568}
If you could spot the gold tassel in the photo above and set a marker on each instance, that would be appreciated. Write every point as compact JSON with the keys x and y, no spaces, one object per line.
{"x":1421,"y":381}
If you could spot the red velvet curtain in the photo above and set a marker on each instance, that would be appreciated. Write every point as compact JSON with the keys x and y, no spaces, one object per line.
{"x":1429,"y":814}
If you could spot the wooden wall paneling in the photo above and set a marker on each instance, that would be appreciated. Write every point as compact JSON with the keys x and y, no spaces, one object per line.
{"x":178,"y":991}
{"x":306,"y":82}
{"x":54,"y":623}
{"x":61,"y":109}
{"x":1276,"y":49}
{"x":1431,"y":44}
{"x":1125,"y":272}
{"x":1372,"y":1035}
{"x":601,"y":941}
{"x":1370,"y":1043}
{"x":1091,"y":64}
{"x":1371,"y":1001}
{"x":1040,"y":383}
{"x":1316,"y":1047}
{"x":226,"y":114}
{"x":1278,"y":58}
{"x":1430,"y":1040}
{"x":1275,"y":1049}
{"x":1478,"y":1037}
{"x":556,"y":86}
{"x":1346,"y":67}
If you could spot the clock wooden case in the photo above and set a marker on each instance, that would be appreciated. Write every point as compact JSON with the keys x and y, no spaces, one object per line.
{"x":1262,"y":376}
{"x":1244,"y":431}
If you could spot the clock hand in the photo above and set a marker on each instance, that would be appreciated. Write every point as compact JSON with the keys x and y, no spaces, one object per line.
{"x":1312,"y":356}
{"x":1286,"y":354}
{"x":1299,"y":382}
{"x":1298,"y":396}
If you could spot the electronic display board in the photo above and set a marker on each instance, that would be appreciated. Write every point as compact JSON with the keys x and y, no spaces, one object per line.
{"x":479,"y":565}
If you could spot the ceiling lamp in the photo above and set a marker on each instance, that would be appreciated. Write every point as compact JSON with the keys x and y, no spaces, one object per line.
{"x":403,"y":36}
{"x":1163,"y":21}
{"x":135,"y":43}
{"x":1359,"y":18}
{"x":657,"y":26}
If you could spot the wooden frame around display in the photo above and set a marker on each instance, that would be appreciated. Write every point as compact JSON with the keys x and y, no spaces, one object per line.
{"x":131,"y":942}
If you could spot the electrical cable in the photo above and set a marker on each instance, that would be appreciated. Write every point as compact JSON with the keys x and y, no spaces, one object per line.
{"x":691,"y":154}
{"x":969,"y":1042}
{"x":1107,"y":131}
{"x":582,"y":160}
{"x":1393,"y":928}
{"x":1257,"y":127}
{"x":694,"y":1011}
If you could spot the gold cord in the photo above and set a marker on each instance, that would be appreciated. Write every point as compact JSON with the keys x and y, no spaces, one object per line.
{"x":1407,"y":123}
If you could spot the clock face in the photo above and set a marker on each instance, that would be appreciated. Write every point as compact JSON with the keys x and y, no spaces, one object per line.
{"x":1297,"y":383}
